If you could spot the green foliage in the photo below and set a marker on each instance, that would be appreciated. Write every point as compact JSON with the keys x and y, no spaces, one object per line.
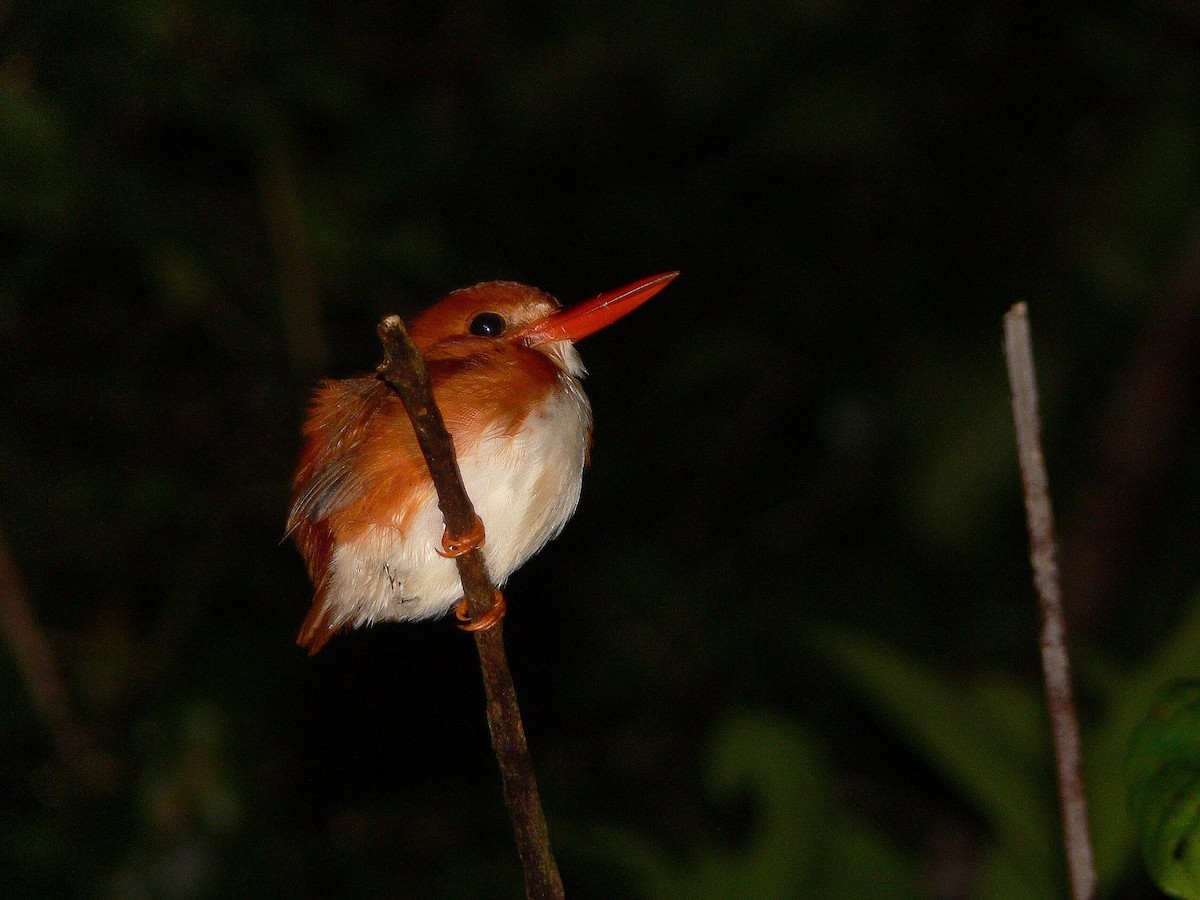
{"x":1163,"y":776}
{"x":988,"y":737}
{"x":1125,"y":695}
{"x":978,"y":735}
{"x":799,"y":844}
{"x":188,"y":806}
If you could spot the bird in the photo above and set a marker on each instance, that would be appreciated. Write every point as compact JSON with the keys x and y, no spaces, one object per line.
{"x":506,"y":376}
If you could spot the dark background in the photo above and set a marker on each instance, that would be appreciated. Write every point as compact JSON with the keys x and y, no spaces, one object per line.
{"x":204,"y":207}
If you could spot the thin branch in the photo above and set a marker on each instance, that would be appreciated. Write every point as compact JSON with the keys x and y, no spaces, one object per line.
{"x":403,"y":370}
{"x":1056,"y":667}
{"x":35,"y":660}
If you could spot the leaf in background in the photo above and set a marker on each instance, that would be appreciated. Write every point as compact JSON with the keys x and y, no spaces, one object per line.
{"x":799,"y":846}
{"x":1105,"y":747}
{"x":39,"y":179}
{"x":1163,"y":778}
{"x":974,"y":743}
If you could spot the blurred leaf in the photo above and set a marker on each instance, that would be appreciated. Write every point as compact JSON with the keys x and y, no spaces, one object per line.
{"x":1106,"y":747}
{"x":189,"y":784}
{"x":980,"y":735}
{"x":1163,"y":778}
{"x":866,"y":865}
{"x":970,"y":741}
{"x":799,"y":845}
{"x":960,"y":427}
{"x":190,"y":805}
{"x":38,"y":178}
{"x":1000,"y":876}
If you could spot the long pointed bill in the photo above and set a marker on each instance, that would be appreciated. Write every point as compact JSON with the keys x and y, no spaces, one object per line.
{"x":590,"y":316}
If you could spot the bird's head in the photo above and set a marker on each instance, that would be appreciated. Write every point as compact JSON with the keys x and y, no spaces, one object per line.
{"x":518,"y":314}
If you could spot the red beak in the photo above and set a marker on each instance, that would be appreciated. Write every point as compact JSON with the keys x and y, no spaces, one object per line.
{"x":590,"y":316}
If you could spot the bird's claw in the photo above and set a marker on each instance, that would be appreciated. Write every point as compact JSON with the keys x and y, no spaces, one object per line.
{"x":456,"y":546}
{"x":488,"y":620}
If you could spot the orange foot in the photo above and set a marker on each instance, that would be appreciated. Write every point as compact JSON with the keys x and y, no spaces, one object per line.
{"x":457,"y":546}
{"x":488,"y":620}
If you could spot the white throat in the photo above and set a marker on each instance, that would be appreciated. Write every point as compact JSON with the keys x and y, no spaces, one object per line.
{"x":564,"y":355}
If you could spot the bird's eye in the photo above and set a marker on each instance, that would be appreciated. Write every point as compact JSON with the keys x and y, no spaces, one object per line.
{"x":487,"y":324}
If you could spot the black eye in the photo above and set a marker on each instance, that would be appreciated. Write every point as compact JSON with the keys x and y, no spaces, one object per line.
{"x":487,"y":325}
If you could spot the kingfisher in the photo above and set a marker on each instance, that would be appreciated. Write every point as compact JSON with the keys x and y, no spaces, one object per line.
{"x":507,"y":378}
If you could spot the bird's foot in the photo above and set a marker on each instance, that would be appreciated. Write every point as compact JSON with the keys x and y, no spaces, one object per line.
{"x":457,"y":546}
{"x":488,"y":620}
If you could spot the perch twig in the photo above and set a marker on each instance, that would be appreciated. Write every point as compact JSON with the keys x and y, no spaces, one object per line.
{"x":403,"y":370}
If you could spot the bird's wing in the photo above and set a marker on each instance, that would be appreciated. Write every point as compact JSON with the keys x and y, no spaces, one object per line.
{"x":329,"y":479}
{"x":339,"y":421}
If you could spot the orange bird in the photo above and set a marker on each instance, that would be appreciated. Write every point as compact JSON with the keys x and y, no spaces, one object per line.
{"x":506,"y":376}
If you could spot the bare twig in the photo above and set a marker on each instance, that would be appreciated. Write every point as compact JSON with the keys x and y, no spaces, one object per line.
{"x":404,"y":372}
{"x":1056,"y":667}
{"x":35,"y":660}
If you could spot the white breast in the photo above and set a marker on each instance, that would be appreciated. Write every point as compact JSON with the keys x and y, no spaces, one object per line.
{"x":524,"y":488}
